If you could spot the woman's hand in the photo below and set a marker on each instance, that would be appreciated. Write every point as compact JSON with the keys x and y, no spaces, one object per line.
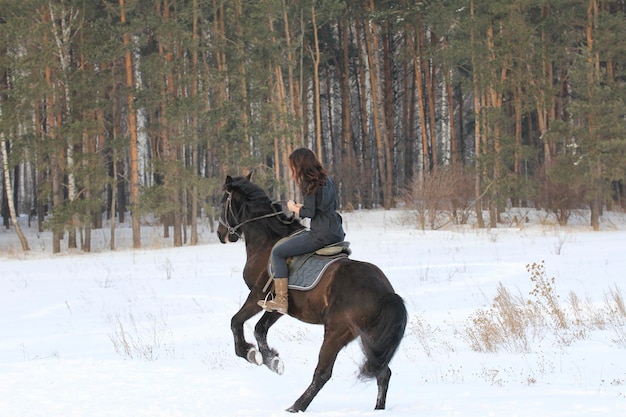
{"x":292,"y":206}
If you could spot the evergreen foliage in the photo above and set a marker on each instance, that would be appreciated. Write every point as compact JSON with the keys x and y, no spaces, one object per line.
{"x":527,"y":98}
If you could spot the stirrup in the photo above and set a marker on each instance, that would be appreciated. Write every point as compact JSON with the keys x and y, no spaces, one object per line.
{"x":263,"y":303}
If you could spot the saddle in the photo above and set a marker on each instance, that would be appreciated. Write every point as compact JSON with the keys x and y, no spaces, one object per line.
{"x":306,"y":270}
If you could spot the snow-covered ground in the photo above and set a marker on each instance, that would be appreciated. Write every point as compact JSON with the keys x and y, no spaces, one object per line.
{"x":147,"y":332}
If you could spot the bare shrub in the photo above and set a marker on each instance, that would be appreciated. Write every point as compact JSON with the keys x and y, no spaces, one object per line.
{"x":560,"y":191}
{"x":440,"y":197}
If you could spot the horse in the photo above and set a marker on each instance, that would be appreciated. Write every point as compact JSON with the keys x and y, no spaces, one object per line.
{"x":352,"y":299}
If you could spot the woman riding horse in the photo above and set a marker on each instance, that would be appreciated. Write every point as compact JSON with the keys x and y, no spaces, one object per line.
{"x":351,"y":300}
{"x":320,"y":205}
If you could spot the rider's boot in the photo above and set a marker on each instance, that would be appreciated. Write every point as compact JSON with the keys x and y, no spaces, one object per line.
{"x":280,"y":302}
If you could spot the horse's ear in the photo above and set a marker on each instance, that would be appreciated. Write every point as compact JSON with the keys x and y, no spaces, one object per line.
{"x":229,"y":180}
{"x":249,"y":176}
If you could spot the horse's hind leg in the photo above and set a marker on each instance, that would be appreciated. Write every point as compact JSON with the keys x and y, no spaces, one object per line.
{"x":382,"y":381}
{"x":334,"y":341}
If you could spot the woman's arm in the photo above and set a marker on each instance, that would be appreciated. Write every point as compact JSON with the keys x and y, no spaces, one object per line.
{"x":303,"y":210}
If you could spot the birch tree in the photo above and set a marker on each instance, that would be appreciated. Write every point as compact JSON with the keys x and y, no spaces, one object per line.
{"x":8,"y":187}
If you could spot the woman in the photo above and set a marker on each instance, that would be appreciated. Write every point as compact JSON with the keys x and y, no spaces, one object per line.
{"x":320,"y":205}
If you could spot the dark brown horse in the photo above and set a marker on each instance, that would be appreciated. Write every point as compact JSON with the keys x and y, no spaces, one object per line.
{"x":353,"y":299}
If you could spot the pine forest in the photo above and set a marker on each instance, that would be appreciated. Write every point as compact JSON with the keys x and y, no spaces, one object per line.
{"x":116,"y":110}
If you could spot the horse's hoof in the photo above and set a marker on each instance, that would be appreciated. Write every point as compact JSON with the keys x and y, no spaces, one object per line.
{"x":254,"y":356}
{"x":276,"y":365}
{"x":293,"y":409}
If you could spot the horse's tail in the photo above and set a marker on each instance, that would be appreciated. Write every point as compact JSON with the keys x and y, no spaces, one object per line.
{"x":381,"y":340}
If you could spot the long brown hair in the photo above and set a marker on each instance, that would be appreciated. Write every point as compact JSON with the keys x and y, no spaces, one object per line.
{"x":307,"y":170}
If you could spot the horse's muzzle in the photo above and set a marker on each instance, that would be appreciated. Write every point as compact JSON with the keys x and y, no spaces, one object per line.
{"x":222,"y":234}
{"x":225,"y":236}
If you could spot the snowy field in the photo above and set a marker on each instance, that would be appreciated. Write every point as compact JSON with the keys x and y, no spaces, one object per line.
{"x":146,"y":332}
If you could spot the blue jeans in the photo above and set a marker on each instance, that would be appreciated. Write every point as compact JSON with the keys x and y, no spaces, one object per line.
{"x":297,"y":245}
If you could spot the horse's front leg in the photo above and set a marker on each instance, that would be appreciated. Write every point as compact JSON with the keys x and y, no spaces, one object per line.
{"x":242,"y":347}
{"x":270,"y":356}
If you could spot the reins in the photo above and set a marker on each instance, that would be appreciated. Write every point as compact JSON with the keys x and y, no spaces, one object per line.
{"x":232,"y":230}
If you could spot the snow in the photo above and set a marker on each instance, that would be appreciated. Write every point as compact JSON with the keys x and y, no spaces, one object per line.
{"x":147,"y":332}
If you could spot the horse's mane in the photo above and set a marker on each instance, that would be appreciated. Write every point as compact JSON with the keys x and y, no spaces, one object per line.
{"x":255,"y":196}
{"x":258,"y":203}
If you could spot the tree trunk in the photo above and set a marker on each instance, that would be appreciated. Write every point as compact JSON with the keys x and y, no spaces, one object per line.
{"x":278,"y":124}
{"x":455,"y":156}
{"x":87,"y":216}
{"x":410,"y":137}
{"x":195,"y":128}
{"x":333,"y":141}
{"x":113,"y":195}
{"x":517,"y":157}
{"x":220,"y":88}
{"x":316,"y":85}
{"x":477,"y":129}
{"x":380,"y":130}
{"x":431,"y":85}
{"x":494,"y":99}
{"x":366,"y":174}
{"x":9,"y":191}
{"x":544,"y":100}
{"x":38,"y":175}
{"x":171,"y":151}
{"x":593,"y":80}
{"x":132,"y":129}
{"x":55,"y":149}
{"x":294,"y":109}
{"x":243,"y":88}
{"x":348,"y":166}
{"x":427,"y":162}
{"x":62,"y":30}
{"x":388,"y":100}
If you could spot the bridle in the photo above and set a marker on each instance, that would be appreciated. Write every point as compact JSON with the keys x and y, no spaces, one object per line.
{"x":228,"y":210}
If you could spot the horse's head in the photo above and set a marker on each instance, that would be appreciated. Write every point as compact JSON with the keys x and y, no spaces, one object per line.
{"x":232,"y":209}
{"x":246,"y":206}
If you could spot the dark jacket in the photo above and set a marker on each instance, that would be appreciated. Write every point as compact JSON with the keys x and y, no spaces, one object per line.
{"x":321,"y":208}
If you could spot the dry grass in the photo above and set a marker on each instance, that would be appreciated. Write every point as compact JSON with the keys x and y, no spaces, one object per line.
{"x":139,"y":339}
{"x":616,"y":315}
{"x":545,"y":296}
{"x":12,"y":251}
{"x":513,"y":322}
{"x":509,"y":324}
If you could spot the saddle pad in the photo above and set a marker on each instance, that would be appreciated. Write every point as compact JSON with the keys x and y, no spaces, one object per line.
{"x":308,"y":275}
